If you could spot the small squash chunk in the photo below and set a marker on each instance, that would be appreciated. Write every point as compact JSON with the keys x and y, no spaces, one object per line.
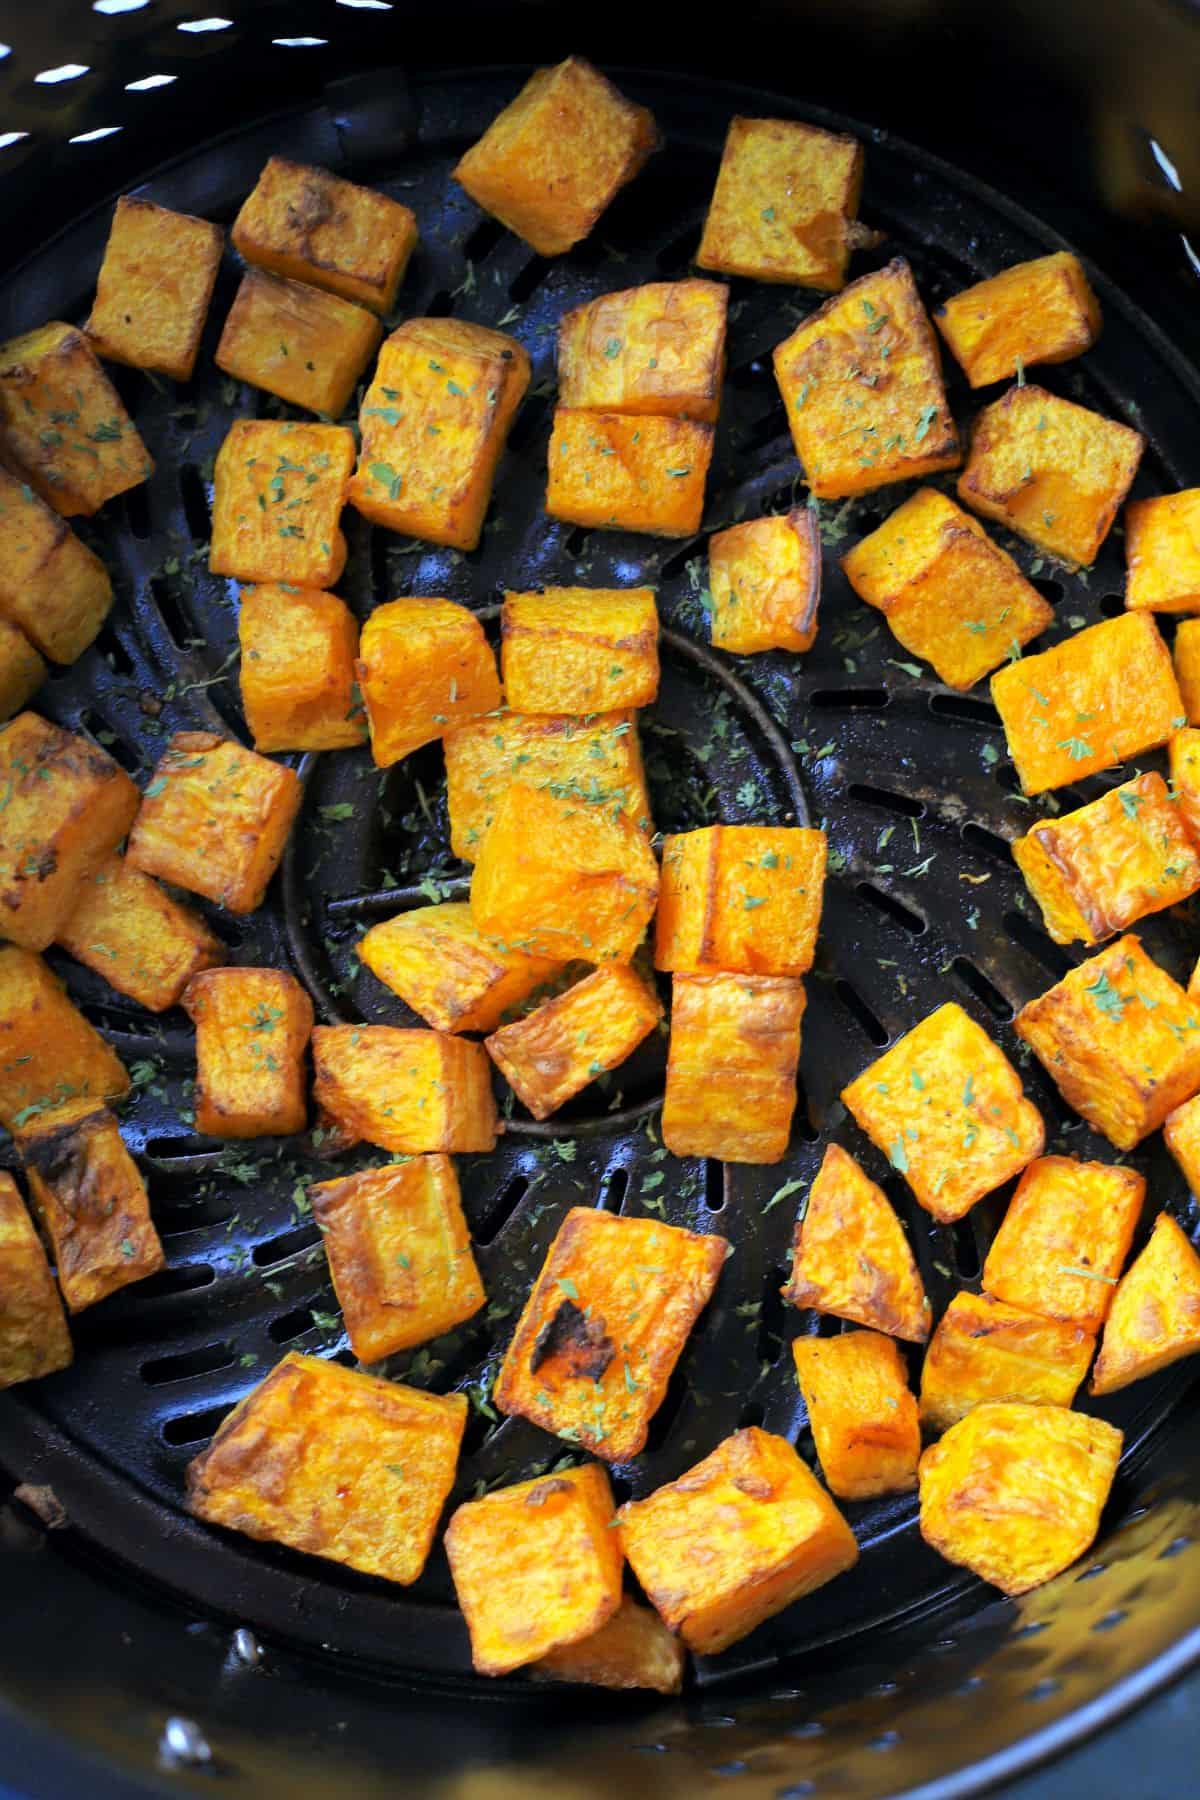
{"x":307,"y":346}
{"x":563,"y":879}
{"x":1053,"y":472}
{"x":1042,"y":311}
{"x":1181,"y":1133}
{"x":22,"y":670}
{"x":49,"y":1054}
{"x":861,"y":1412}
{"x":739,"y":1537}
{"x":399,"y":1253}
{"x":554,"y":1052}
{"x":312,"y":226}
{"x":948,"y":593}
{"x":154,"y":287}
{"x":553,"y":160}
{"x":1065,"y":1238}
{"x":604,"y":1326}
{"x":536,"y":1566}
{"x":1155,"y":1315}
{"x":442,"y":966}
{"x":90,"y":1197}
{"x":1162,"y":551}
{"x":984,"y":1349}
{"x":215,"y":819}
{"x":659,"y":348}
{"x":850,"y":1256}
{"x":861,"y":379}
{"x":1187,"y":666}
{"x":145,"y":943}
{"x":424,"y":665}
{"x":409,"y":1091}
{"x":597,"y":759}
{"x":51,"y":585}
{"x":1119,"y":1038}
{"x":1097,"y":870}
{"x":1014,"y":1493}
{"x":1093,"y":701}
{"x":740,"y":899}
{"x":252,"y":1029}
{"x":731,"y":1066}
{"x":945,"y":1106}
{"x":34,"y":1339}
{"x":434,"y":423}
{"x":633,"y":1650}
{"x":66,"y":805}
{"x":299,"y":647}
{"x":1183,"y":755}
{"x":335,"y":1463}
{"x":580,"y":650}
{"x":784,"y":204}
{"x":625,"y":472}
{"x":764,"y":578}
{"x":278,"y":491}
{"x":62,"y":422}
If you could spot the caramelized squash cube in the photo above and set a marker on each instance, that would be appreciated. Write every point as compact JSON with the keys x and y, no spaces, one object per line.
{"x":278,"y":492}
{"x":1154,"y":1319}
{"x":659,"y":348}
{"x":1181,"y":1133}
{"x":299,"y":647}
{"x":554,"y":1052}
{"x":784,"y":205}
{"x":1042,"y":311}
{"x":731,"y":1066}
{"x":740,"y":899}
{"x":409,"y":1091}
{"x":633,"y":1650}
{"x":154,"y":286}
{"x":579,"y":650}
{"x":311,"y":226}
{"x":1065,"y":1238}
{"x":1162,"y":550}
{"x":628,"y":472}
{"x":1187,"y":666}
{"x":49,"y":1054}
{"x":62,"y":422}
{"x":252,"y":1029}
{"x":445,"y":969}
{"x":764,"y":578}
{"x":861,"y":1412}
{"x":22,"y":670}
{"x":145,"y":943}
{"x":34,"y":1339}
{"x":850,"y":1256}
{"x":984,"y":1349}
{"x":52,"y":586}
{"x":424,"y":665}
{"x":305,"y":345}
{"x":1183,"y":755}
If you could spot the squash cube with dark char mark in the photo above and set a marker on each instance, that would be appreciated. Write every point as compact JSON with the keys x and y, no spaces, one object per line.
{"x":406,"y":1091}
{"x":34,"y":1339}
{"x":305,"y":345}
{"x":52,"y":586}
{"x":555,"y":1051}
{"x":784,"y":205}
{"x":861,"y":1412}
{"x":1064,"y":1239}
{"x":143,"y":941}
{"x":442,"y":966}
{"x":850,"y":1256}
{"x":740,"y":899}
{"x":628,"y":472}
{"x":1042,"y":311}
{"x":984,"y":1349}
{"x":653,"y":349}
{"x":62,"y":422}
{"x":278,"y":491}
{"x":49,"y":1055}
{"x":311,"y":226}
{"x":154,"y":287}
{"x":1186,"y":656}
{"x":299,"y":647}
{"x":579,"y":650}
{"x":731,"y":1066}
{"x":764,"y":580}
{"x":633,"y":1650}
{"x":1154,"y":1319}
{"x":252,"y":1029}
{"x":22,"y":670}
{"x":1162,"y":549}
{"x":424,"y":665}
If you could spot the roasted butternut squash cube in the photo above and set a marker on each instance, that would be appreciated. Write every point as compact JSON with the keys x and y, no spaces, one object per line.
{"x":536,"y":1566}
{"x":1119,"y":1038}
{"x":1065,"y":1238}
{"x":633,"y":1650}
{"x":154,"y":286}
{"x":740,"y":899}
{"x":1042,"y":311}
{"x":554,"y":1052}
{"x":52,"y":586}
{"x":945,"y":1106}
{"x":145,"y":943}
{"x":62,"y":422}
{"x":948,"y":593}
{"x":1183,"y":755}
{"x":1093,"y":701}
{"x":628,"y":472}
{"x":764,"y":579}
{"x":408,"y":1091}
{"x":731,"y":1066}
{"x":335,"y":1463}
{"x":659,"y":348}
{"x":1154,"y":1319}
{"x":597,"y":759}
{"x":215,"y":819}
{"x":90,"y":1197}
{"x":312,"y":226}
{"x":297,"y":341}
{"x":22,"y":670}
{"x":278,"y":491}
{"x":552,"y":161}
{"x":739,"y":1537}
{"x":49,"y":1054}
{"x":861,"y":379}
{"x":65,"y":805}
{"x":442,"y":966}
{"x":1181,"y":1133}
{"x":984,"y":1349}
{"x":299,"y":647}
{"x":861,"y":1412}
{"x":579,"y":650}
{"x":1053,"y":472}
{"x":1187,"y":667}
{"x":399,"y":1252}
{"x":1162,"y":551}
{"x":564,"y":879}
{"x":850,"y":1256}
{"x":252,"y":1029}
{"x":784,"y":205}
{"x":434,"y":423}
{"x":423,"y":666}
{"x":34,"y":1339}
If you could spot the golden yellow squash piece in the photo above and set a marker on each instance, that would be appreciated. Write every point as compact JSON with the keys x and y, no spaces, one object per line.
{"x":62,"y":423}
{"x":764,"y":579}
{"x":278,"y":491}
{"x":580,"y":650}
{"x":297,"y":341}
{"x":1183,"y":756}
{"x":34,"y":1339}
{"x":145,"y":943}
{"x":653,"y":349}
{"x":861,"y":1412}
{"x":445,"y":969}
{"x":49,"y":1055}
{"x":252,"y":1029}
{"x":1155,"y":1314}
{"x":1187,"y":667}
{"x":51,"y":585}
{"x":424,"y":665}
{"x":984,"y":1349}
{"x":784,"y":204}
{"x":1162,"y":550}
{"x":297,"y":671}
{"x":739,"y":1537}
{"x":407,"y":1091}
{"x":1042,"y":311}
{"x":22,"y":670}
{"x":312,"y":226}
{"x":850,"y":1256}
{"x":1181,"y":1132}
{"x":154,"y":287}
{"x":740,"y":899}
{"x":731,"y":1066}
{"x":554,"y":1052}
{"x":633,"y":1650}
{"x":1065,"y":1238}
{"x":633,"y":472}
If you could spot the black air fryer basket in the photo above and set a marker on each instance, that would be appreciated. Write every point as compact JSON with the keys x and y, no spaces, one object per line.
{"x":143,"y":1653}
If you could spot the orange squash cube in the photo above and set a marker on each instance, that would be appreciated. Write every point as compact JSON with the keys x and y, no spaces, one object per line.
{"x":784,"y":205}
{"x":62,"y":423}
{"x":1162,"y":551}
{"x":154,"y":286}
{"x":1154,"y":1319}
{"x":580,"y":650}
{"x":423,"y":666}
{"x":278,"y":491}
{"x":628,"y":472}
{"x":740,"y":899}
{"x":1065,"y":1238}
{"x":446,"y":970}
{"x":307,"y":346}
{"x":1183,"y":757}
{"x":764,"y":579}
{"x":1042,"y":311}
{"x":145,"y":943}
{"x":633,"y":1650}
{"x":861,"y":1412}
{"x":408,"y":1091}
{"x":34,"y":1339}
{"x":554,"y":1052}
{"x":659,"y":348}
{"x":49,"y":1055}
{"x":1181,"y":1133}
{"x":52,"y":587}
{"x":22,"y":670}
{"x":252,"y":1029}
{"x":850,"y":1256}
{"x":731,"y":1066}
{"x":1187,"y":667}
{"x":299,"y":647}
{"x":312,"y":226}
{"x":984,"y":1349}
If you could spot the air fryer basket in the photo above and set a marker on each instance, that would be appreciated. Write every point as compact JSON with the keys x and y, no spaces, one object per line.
{"x":144,"y":1653}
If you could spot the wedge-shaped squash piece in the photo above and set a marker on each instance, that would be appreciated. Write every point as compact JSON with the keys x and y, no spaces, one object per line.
{"x":335,"y":1463}
{"x":579,"y":650}
{"x":984,"y":1349}
{"x":305,"y":345}
{"x":653,"y":349}
{"x":731,"y":1066}
{"x":408,"y":1091}
{"x":850,"y":1256}
{"x":297,"y":671}
{"x":551,"y":162}
{"x":1053,"y":472}
{"x":442,"y":966}
{"x":1187,"y":666}
{"x":154,"y":286}
{"x":735,"y":1540}
{"x":1120,"y":1039}
{"x":628,"y":472}
{"x":1183,"y":755}
{"x":145,"y":943}
{"x":1093,"y":701}
{"x":784,"y":205}
{"x":764,"y":580}
{"x":1097,"y":870}
{"x":424,"y":665}
{"x":861,"y":379}
{"x":861,"y":1412}
{"x":312,"y":226}
{"x":49,"y":1055}
{"x":1065,"y":1238}
{"x":740,"y":899}
{"x":1162,"y":551}
{"x":52,"y":586}
{"x":434,"y":423}
{"x":252,"y":1029}
{"x":399,"y":1252}
{"x":554,"y":1052}
{"x":1042,"y":311}
{"x":65,"y":805}
{"x":278,"y":491}
{"x":34,"y":1339}
{"x":536,"y":1566}
{"x":90,"y":1197}
{"x":945,"y":1106}
{"x":604,"y":1326}
{"x":22,"y":670}
{"x":563,"y":879}
{"x":1155,"y":1315}
{"x":62,"y":422}
{"x":948,"y":593}
{"x":633,"y":1650}
{"x":1015,"y":1492}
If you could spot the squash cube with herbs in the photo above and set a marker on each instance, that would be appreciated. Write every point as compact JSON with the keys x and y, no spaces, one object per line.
{"x":1183,"y":756}
{"x":1065,"y":1238}
{"x":1162,"y":550}
{"x":1187,"y":667}
{"x":311,"y":226}
{"x":740,"y":899}
{"x":554,"y":1052}
{"x":659,"y":348}
{"x":297,"y":341}
{"x":633,"y":1650}
{"x":62,"y":423}
{"x":1154,"y":1319}
{"x":252,"y":1029}
{"x":984,"y":1349}
{"x":628,"y":472}
{"x":1042,"y":311}
{"x":424,"y":665}
{"x":861,"y":1412}
{"x":22,"y":670}
{"x":764,"y":580}
{"x":52,"y":587}
{"x":278,"y":491}
{"x":579,"y":650}
{"x":442,"y":966}
{"x":145,"y":943}
{"x":299,"y":647}
{"x":784,"y":205}
{"x":731,"y":1066}
{"x":850,"y":1256}
{"x":50,"y":1056}
{"x":154,"y":286}
{"x":34,"y":1339}
{"x":408,"y":1091}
